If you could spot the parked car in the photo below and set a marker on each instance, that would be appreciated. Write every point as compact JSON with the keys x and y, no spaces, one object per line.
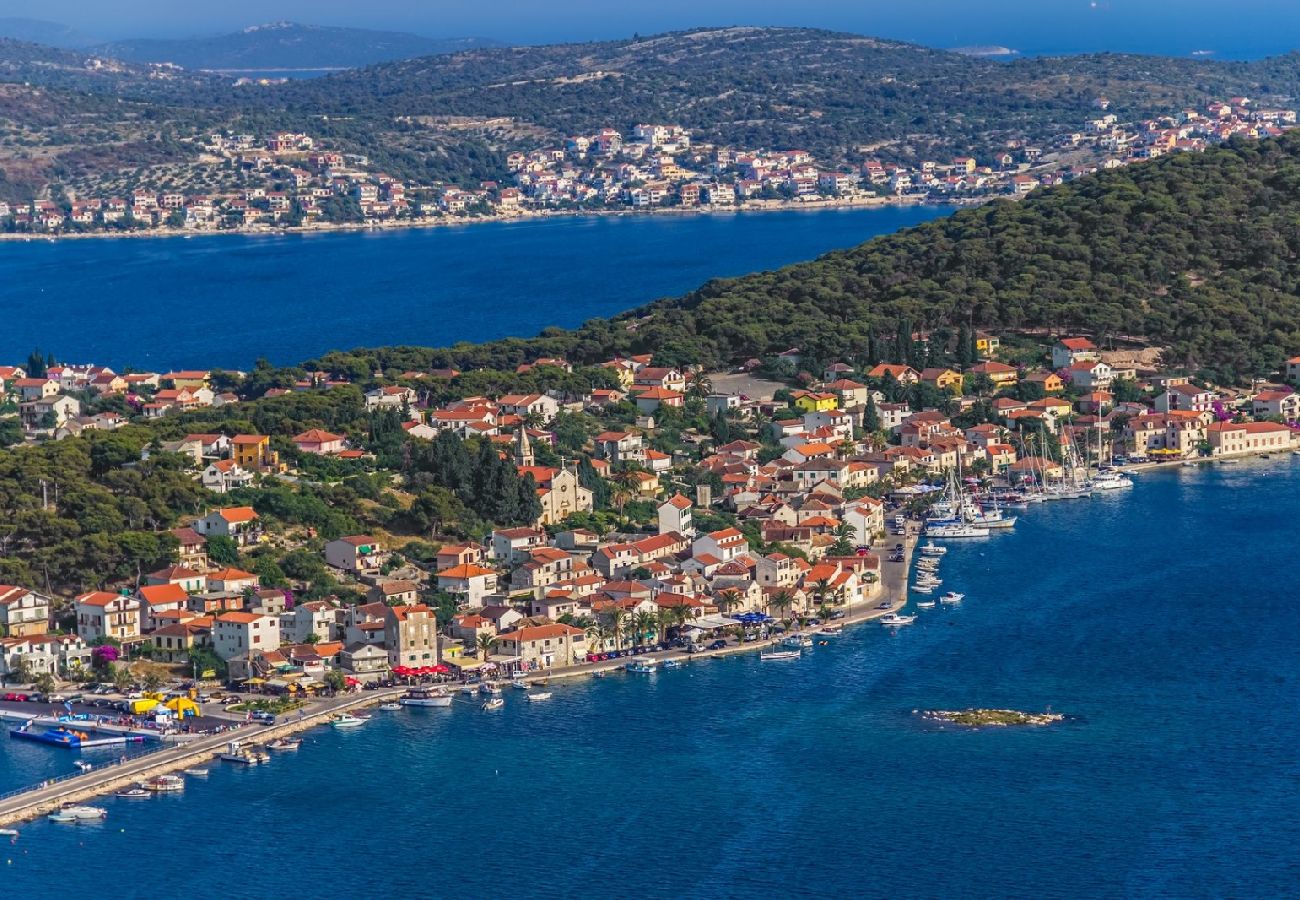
{"x":718,"y":644}
{"x":264,"y":717}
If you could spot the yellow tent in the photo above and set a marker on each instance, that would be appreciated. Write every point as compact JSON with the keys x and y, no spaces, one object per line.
{"x":142,"y":706}
{"x":183,"y":707}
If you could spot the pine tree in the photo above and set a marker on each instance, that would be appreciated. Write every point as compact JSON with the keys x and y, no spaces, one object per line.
{"x":871,"y":417}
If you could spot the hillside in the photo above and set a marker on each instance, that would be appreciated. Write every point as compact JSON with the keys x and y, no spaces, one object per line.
{"x":38,"y":31}
{"x":286,"y":45}
{"x":1195,"y":251}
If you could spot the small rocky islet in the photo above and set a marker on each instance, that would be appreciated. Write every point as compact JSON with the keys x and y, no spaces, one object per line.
{"x":990,"y":718}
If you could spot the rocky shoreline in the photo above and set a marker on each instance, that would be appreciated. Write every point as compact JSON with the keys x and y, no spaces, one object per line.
{"x":990,"y":718}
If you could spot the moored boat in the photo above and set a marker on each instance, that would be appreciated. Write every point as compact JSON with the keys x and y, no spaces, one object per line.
{"x":944,"y":532}
{"x":285,"y":743}
{"x":492,"y":703}
{"x":539,"y":696}
{"x":347,"y":720}
{"x":196,"y":773}
{"x":390,"y":707}
{"x":933,"y":549}
{"x":894,"y":620}
{"x":642,"y":666}
{"x":925,"y":604}
{"x":952,"y":597}
{"x":780,"y":654}
{"x":133,"y":793}
{"x":425,"y":697}
{"x":165,"y":784}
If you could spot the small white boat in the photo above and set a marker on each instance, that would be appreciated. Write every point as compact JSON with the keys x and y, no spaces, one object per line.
{"x":285,"y":744}
{"x":520,"y":685}
{"x":425,"y":697}
{"x":797,"y":641}
{"x":165,"y":784}
{"x":84,"y":813}
{"x":63,"y":818}
{"x":491,"y":688}
{"x":829,"y":631}
{"x":925,"y":604}
{"x":922,"y":589}
{"x":539,"y":697}
{"x":83,"y":766}
{"x":347,"y":720}
{"x":492,"y":703}
{"x":952,"y":597}
{"x":469,"y":689}
{"x":196,"y":773}
{"x":933,"y":549}
{"x":236,"y":753}
{"x":642,"y":666}
{"x":674,"y":663}
{"x":894,"y":620}
{"x":956,"y":531}
{"x":390,"y":707}
{"x":135,"y":793}
{"x":780,"y":654}
{"x":8,"y":832}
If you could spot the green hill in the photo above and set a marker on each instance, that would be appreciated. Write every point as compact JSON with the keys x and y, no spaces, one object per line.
{"x":1200,"y":252}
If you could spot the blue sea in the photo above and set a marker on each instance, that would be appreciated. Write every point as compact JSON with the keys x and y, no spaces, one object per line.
{"x":1163,"y":619}
{"x":226,"y":300}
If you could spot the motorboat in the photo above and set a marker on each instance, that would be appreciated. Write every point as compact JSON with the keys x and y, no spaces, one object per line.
{"x":829,"y":631}
{"x":285,"y":744}
{"x":894,"y":620}
{"x":347,"y":720}
{"x":673,"y":663}
{"x":1111,"y":481}
{"x":952,"y":597}
{"x":237,"y":753}
{"x":539,"y":697}
{"x":492,"y":703}
{"x":797,"y":641}
{"x":425,"y":697}
{"x":469,"y":689}
{"x":165,"y":784}
{"x":642,"y":666}
{"x":923,"y":589}
{"x":945,"y":532}
{"x":63,"y":818}
{"x":933,"y":549}
{"x":390,"y":707}
{"x":491,"y":688}
{"x":925,"y":604}
{"x":134,"y":793}
{"x":82,"y":813}
{"x":83,"y":766}
{"x":8,"y":832}
{"x":520,"y":684}
{"x":780,"y":654}
{"x":196,"y":773}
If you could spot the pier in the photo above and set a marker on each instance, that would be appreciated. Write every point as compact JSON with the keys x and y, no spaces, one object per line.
{"x":36,"y":801}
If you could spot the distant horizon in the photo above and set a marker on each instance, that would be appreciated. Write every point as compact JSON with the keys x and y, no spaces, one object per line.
{"x":1030,"y":27}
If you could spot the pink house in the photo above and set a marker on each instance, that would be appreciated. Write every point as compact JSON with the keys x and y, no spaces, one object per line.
{"x":318,"y":441}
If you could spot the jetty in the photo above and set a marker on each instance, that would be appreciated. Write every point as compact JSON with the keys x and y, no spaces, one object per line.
{"x":34,"y":802}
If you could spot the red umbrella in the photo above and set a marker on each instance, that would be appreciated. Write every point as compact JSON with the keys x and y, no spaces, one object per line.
{"x":350,"y":680}
{"x":440,"y":669}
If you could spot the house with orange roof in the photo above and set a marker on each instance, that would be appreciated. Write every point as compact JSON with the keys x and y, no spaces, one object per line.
{"x":237,"y":522}
{"x":411,"y":636}
{"x":253,"y":452}
{"x":318,"y":441}
{"x":1283,"y":403}
{"x":943,"y":379}
{"x":357,"y":553}
{"x":1001,"y":374}
{"x":1229,"y":438}
{"x":23,"y":612}
{"x":815,"y":401}
{"x":102,"y":614}
{"x":675,"y":515}
{"x":225,"y":475}
{"x":157,"y":599}
{"x":175,"y":641}
{"x":534,"y":647}
{"x":902,"y":374}
{"x":238,"y":635}
{"x":1293,"y":370}
{"x":457,"y":554}
{"x":469,"y":583}
{"x":724,"y":545}
{"x":233,"y":581}
{"x":649,"y":400}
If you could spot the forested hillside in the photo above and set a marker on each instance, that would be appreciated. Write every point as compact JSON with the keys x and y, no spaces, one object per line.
{"x":1197,"y":251}
{"x":454,"y":117}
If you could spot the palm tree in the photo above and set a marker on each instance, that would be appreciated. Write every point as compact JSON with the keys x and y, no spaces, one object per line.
{"x":782,"y":601}
{"x":728,"y":599}
{"x":600,"y":633}
{"x":844,"y":535}
{"x":485,"y":644}
{"x":663,"y":619}
{"x":614,"y":622}
{"x":682,"y":614}
{"x":700,"y":385}
{"x":643,"y":623}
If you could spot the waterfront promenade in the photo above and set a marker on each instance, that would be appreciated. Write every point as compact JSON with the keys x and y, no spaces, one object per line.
{"x":39,"y":800}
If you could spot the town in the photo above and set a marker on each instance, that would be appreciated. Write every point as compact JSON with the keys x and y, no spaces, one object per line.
{"x":288,"y":181}
{"x":671,"y":509}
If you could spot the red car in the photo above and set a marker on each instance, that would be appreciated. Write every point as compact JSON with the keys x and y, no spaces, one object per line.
{"x":19,"y":697}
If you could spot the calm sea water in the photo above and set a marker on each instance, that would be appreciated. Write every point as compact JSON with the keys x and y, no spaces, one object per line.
{"x":1163,"y":619}
{"x":225,"y":300}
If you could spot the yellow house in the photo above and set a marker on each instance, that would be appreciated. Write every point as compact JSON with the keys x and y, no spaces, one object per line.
{"x":1050,"y":381}
{"x":943,"y":379}
{"x":253,"y":452}
{"x":814,"y":401}
{"x":986,"y":344}
{"x":192,"y":379}
{"x":1000,"y":374}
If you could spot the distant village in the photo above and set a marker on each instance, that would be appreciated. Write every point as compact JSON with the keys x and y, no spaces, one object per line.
{"x":289,"y":180}
{"x":781,"y":508}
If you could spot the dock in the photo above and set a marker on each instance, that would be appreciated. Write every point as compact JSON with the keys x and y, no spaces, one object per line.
{"x":34,"y":802}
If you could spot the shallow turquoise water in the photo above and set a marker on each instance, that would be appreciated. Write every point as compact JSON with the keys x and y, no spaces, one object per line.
{"x":226,"y":300}
{"x":1164,"y":619}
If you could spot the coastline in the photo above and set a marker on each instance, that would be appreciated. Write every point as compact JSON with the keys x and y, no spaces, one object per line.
{"x":752,"y":206}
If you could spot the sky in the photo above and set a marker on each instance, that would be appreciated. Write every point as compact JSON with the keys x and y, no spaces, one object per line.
{"x":1230,"y":27}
